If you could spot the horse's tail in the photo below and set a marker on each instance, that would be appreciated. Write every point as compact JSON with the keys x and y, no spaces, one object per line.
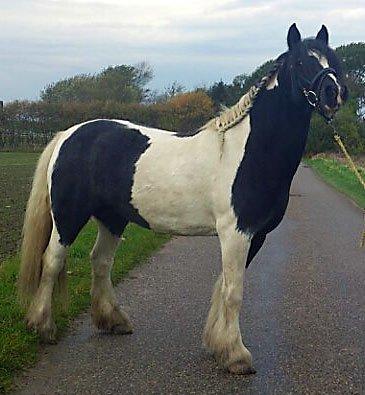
{"x":37,"y":228}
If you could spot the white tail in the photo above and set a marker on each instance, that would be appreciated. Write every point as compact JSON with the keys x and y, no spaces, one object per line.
{"x":37,"y":229}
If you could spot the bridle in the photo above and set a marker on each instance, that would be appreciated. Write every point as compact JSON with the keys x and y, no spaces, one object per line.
{"x":312,"y":90}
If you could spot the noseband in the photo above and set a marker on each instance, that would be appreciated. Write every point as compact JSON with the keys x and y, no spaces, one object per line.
{"x":312,"y":89}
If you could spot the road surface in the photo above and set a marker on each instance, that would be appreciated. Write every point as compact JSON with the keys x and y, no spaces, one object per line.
{"x":303,"y":316}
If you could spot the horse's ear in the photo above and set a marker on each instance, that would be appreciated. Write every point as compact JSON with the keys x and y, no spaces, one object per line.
{"x":323,"y":35}
{"x":293,"y":36}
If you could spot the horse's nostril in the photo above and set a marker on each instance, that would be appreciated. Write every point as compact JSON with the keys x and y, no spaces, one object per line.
{"x":332,"y":91}
{"x":331,"y":95}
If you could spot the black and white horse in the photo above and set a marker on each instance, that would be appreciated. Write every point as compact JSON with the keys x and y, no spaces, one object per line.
{"x":231,"y":178}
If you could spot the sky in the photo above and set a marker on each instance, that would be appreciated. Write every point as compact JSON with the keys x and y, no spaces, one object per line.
{"x":194,"y":42}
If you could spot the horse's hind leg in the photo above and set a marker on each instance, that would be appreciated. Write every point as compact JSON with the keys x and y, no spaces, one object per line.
{"x":39,"y":316}
{"x":106,"y":313}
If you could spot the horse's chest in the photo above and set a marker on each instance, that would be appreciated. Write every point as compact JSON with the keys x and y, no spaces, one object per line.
{"x":259,"y":199}
{"x":261,"y":210}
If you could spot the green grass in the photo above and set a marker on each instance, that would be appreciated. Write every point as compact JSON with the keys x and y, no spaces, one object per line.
{"x":18,"y":158}
{"x":19,"y":347}
{"x":16,"y":171}
{"x":341,"y":177}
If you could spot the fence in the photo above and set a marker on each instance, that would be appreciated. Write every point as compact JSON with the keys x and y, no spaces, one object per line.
{"x":30,"y":125}
{"x":11,"y":141}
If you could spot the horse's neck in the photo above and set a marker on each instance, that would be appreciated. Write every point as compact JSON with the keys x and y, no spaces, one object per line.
{"x":279,"y":131}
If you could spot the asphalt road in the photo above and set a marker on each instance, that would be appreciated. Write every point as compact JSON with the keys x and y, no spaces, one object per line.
{"x":303,"y":316}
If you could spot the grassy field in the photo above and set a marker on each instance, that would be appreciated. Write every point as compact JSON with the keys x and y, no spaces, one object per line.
{"x":16,"y":170}
{"x":18,"y":347}
{"x":340,"y":176}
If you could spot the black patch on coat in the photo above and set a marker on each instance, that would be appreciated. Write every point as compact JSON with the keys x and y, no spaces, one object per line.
{"x":272,"y":154}
{"x":273,"y":151}
{"x":256,"y":243}
{"x":93,"y":176}
{"x":279,"y":123}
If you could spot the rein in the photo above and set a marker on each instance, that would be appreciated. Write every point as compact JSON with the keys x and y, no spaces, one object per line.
{"x":354,"y":169}
{"x":350,"y":161}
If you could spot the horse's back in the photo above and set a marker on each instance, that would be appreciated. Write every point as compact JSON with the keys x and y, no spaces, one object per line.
{"x":119,"y":172}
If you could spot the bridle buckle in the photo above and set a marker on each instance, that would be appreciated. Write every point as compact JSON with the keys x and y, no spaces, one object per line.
{"x":311,"y":97}
{"x":313,"y":90}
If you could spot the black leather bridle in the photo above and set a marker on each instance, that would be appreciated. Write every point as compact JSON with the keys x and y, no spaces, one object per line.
{"x":312,"y":90}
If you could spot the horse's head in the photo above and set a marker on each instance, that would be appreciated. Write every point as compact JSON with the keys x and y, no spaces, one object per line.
{"x":313,"y":72}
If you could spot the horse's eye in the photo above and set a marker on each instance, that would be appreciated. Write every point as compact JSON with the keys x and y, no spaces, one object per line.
{"x":299,"y":63}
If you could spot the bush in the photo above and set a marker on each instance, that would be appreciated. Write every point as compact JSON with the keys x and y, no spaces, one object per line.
{"x":347,"y":124}
{"x":29,"y":125}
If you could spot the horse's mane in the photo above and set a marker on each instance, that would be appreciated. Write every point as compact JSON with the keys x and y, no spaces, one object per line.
{"x":231,"y":116}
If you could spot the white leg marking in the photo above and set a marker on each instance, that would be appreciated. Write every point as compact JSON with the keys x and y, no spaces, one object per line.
{"x":40,"y":312}
{"x":222,"y":333}
{"x":105,"y":311}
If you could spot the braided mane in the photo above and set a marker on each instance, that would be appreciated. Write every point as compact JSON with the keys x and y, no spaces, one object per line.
{"x":235,"y":114}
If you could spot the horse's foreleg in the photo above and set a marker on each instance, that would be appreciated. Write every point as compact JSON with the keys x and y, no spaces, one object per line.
{"x":39,"y":316}
{"x":106,"y":313}
{"x":222,"y":334}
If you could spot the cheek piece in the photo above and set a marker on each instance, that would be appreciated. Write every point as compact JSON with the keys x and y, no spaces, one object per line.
{"x":312,"y":90}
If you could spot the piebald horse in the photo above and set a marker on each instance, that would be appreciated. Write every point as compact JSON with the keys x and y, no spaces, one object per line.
{"x":231,"y":178}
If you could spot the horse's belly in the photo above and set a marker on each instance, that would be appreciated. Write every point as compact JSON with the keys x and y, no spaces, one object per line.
{"x":173,"y":201}
{"x":172,"y":212}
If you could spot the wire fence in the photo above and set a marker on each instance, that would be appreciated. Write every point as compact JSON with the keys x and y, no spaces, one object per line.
{"x":24,"y":141}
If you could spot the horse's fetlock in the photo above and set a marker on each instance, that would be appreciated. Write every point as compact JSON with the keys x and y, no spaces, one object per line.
{"x":110,"y":318}
{"x":41,"y":321}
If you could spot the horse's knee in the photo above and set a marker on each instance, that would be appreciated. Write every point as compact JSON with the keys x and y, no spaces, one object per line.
{"x":233,"y":298}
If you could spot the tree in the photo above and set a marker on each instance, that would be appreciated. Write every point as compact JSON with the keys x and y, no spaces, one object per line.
{"x":170,"y":91}
{"x":229,"y":94}
{"x":122,"y":83}
{"x":185,"y":112}
{"x":353,"y":62}
{"x":219,"y":93}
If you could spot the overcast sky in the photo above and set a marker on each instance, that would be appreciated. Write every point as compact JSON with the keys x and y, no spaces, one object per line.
{"x":195,"y":42}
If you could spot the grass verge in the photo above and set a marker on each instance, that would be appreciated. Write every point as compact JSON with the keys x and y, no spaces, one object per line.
{"x":340,"y":176}
{"x":16,"y":172}
{"x":18,"y":347}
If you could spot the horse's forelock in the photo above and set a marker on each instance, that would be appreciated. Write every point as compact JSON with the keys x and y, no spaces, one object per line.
{"x":312,"y":44}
